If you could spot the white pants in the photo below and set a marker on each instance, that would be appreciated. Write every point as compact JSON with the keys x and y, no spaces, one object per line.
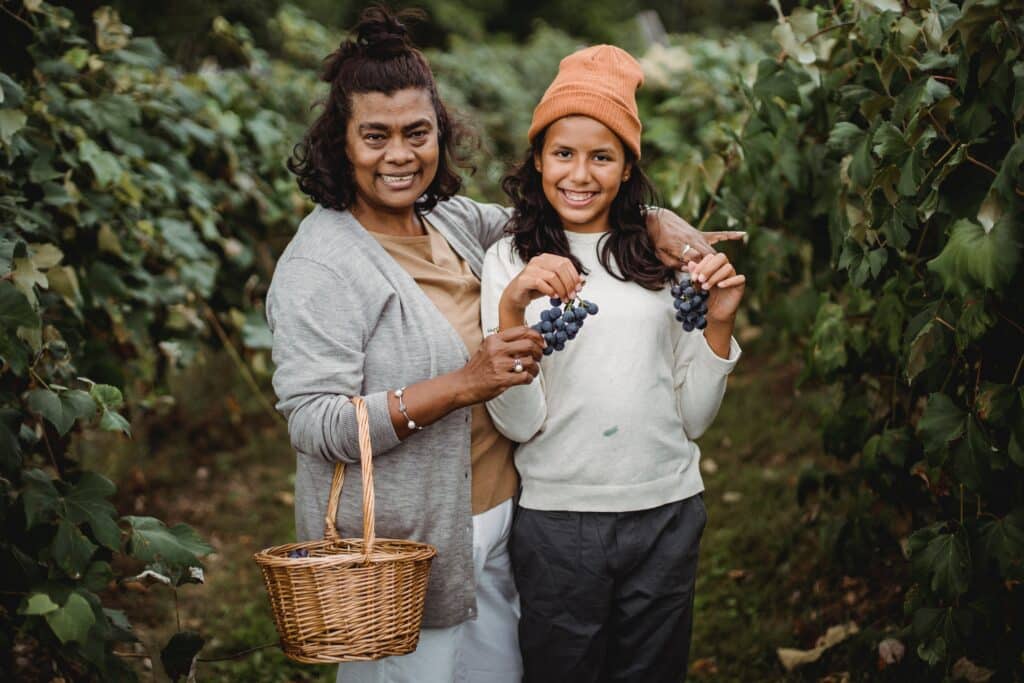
{"x":482,"y":650}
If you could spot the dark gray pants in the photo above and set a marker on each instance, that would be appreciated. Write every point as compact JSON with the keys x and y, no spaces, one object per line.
{"x":607,"y":596}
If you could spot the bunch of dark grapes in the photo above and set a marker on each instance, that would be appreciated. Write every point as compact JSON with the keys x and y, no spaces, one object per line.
{"x":691,"y":304}
{"x":560,"y":325}
{"x":301,"y":552}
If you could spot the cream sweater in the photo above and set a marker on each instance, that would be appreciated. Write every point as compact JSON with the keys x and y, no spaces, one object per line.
{"x":609,"y":425}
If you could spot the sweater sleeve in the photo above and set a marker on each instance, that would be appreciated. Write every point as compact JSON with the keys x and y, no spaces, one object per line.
{"x":486,"y":221}
{"x":700,"y":379}
{"x":519,"y":412}
{"x":318,"y":339}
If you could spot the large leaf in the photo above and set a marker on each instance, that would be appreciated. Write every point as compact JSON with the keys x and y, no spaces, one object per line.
{"x":1002,"y":542}
{"x":72,"y":621}
{"x":179,"y":655}
{"x":62,"y":409}
{"x":973,"y":257}
{"x":71,"y":549}
{"x":39,"y":497}
{"x":15,"y":309}
{"x":946,"y":560}
{"x":151,"y":540}
{"x":941,"y":422}
{"x":87,"y":503}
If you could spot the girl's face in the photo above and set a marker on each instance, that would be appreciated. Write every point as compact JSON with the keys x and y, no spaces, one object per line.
{"x":392,"y":144}
{"x":582,"y":164}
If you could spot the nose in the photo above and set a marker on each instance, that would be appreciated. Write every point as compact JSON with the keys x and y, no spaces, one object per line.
{"x":579,"y":173}
{"x":398,"y":153}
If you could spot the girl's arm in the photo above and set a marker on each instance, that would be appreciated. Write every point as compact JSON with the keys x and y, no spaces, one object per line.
{"x":704,"y":361}
{"x":505,"y":290}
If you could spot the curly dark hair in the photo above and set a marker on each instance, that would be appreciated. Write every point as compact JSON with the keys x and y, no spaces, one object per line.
{"x":537,"y":229}
{"x":378,"y":56}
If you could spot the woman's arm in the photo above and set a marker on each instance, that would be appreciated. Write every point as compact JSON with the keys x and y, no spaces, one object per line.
{"x":320,"y":329}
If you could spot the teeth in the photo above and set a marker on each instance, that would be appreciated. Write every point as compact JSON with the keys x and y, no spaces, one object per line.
{"x":396,"y":178}
{"x":578,"y":196}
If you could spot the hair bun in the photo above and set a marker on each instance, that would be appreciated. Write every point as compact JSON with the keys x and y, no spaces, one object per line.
{"x":381,"y":34}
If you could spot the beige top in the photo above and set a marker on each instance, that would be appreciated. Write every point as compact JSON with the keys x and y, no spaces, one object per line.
{"x":450,"y":284}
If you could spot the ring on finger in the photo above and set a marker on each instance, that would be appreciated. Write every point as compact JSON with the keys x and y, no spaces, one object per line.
{"x":518,"y":366}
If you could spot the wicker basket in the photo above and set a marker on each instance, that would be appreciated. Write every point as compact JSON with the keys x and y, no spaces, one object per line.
{"x":350,"y":599}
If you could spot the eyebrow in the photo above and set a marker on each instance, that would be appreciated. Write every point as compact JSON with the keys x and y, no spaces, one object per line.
{"x":374,"y":125}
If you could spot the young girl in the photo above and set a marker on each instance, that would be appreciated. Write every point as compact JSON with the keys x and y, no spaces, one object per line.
{"x":604,"y":546}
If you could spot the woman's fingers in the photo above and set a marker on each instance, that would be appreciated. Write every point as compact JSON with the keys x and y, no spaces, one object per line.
{"x":715,"y":237}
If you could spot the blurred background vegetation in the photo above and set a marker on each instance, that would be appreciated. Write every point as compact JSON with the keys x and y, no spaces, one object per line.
{"x":864,"y":476}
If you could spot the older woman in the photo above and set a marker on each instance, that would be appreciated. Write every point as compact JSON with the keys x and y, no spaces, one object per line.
{"x":378,"y":295}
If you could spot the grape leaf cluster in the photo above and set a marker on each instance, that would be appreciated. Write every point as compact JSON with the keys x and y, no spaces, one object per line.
{"x":691,"y":304}
{"x":560,"y":325}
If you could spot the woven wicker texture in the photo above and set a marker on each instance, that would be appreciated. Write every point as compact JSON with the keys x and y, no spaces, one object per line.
{"x":351,"y":599}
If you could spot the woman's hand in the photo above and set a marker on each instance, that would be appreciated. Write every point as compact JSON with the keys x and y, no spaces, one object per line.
{"x":717,"y":276}
{"x":544,"y":275}
{"x":672,"y":235}
{"x":506,"y":359}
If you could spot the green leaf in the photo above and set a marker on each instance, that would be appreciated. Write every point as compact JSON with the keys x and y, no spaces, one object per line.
{"x":889,"y":143}
{"x":106,"y":396}
{"x":862,"y":168}
{"x":71,"y":549}
{"x":87,"y":503}
{"x":112,"y":421}
{"x":972,"y":256}
{"x":927,"y":348}
{"x":941,"y":422}
{"x":39,"y":497}
{"x":183,"y":239}
{"x":15,"y":309}
{"x":72,"y":621}
{"x":179,"y":655}
{"x":946,"y":559}
{"x":38,"y":604}
{"x":11,"y":121}
{"x":1002,"y":542}
{"x":845,"y":136}
{"x":11,"y":94}
{"x":61,"y":410}
{"x":177,"y":546}
{"x":971,"y":457}
{"x":104,"y":165}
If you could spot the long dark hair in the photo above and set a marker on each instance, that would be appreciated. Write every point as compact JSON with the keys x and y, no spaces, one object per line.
{"x":537,"y":229}
{"x":378,"y":56}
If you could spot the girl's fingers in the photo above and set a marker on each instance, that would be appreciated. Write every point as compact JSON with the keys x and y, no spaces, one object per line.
{"x":715,"y":237}
{"x":726,"y":271}
{"x":707,"y":265}
{"x":734,"y":281}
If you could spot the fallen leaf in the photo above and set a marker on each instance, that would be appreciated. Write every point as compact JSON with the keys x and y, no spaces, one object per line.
{"x":738,"y":574}
{"x":285,"y":497}
{"x":890,"y":651}
{"x":792,"y":658}
{"x":708,"y":466}
{"x":966,"y":670}
{"x":732,"y":497}
{"x":705,"y":666}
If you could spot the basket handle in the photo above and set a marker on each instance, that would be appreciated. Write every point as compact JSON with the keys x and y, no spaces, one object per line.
{"x":366,"y":462}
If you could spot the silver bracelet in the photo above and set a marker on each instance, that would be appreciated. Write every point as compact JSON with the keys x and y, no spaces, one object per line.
{"x":411,"y":424}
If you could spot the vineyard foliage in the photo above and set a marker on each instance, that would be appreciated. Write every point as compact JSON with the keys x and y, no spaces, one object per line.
{"x":138,"y":208}
{"x":871,"y":149}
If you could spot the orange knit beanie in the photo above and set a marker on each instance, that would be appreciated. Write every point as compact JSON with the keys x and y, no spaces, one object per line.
{"x":599,"y":82}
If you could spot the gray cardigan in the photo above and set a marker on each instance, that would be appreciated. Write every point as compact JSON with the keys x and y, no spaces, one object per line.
{"x":348,"y":320}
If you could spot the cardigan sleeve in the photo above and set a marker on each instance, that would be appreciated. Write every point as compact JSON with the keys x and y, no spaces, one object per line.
{"x":519,"y":412}
{"x":700,"y":379}
{"x":319,"y":332}
{"x":485,"y":221}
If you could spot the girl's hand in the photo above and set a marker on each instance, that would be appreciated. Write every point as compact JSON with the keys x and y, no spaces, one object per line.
{"x":717,"y":276}
{"x":493,"y":368}
{"x":544,"y":275}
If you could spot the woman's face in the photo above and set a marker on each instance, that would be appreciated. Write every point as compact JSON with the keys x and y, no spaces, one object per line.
{"x":582,"y":164}
{"x":392,"y":144}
